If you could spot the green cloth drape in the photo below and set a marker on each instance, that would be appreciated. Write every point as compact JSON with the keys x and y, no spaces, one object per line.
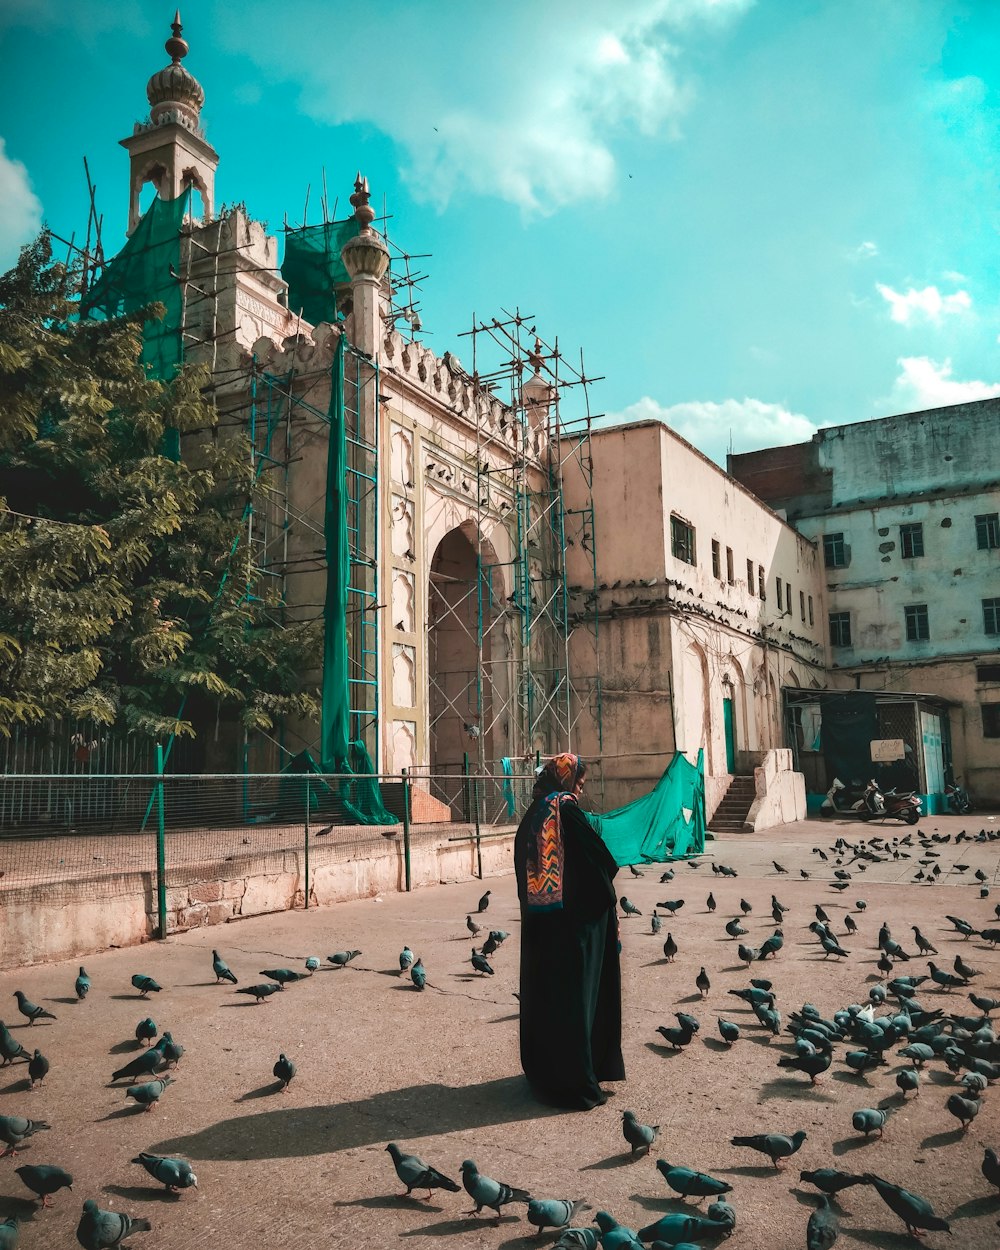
{"x":654,"y":827}
{"x":312,"y":267}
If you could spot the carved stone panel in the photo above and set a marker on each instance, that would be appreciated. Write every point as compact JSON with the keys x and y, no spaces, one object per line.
{"x":402,"y":526}
{"x":404,"y":675}
{"x":403,"y":601}
{"x":401,"y":455}
{"x":404,"y":744}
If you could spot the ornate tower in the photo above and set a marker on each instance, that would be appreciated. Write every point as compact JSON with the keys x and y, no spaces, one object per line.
{"x":170,"y":149}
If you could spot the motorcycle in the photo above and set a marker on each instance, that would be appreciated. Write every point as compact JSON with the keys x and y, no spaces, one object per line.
{"x":957,"y":798}
{"x":871,"y":804}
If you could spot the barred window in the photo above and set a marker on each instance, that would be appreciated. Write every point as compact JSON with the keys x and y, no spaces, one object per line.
{"x":911,"y":540}
{"x":682,"y":539}
{"x":991,"y":616}
{"x":988,"y":531}
{"x":834,"y":551}
{"x":918,"y":627}
{"x":840,"y":629}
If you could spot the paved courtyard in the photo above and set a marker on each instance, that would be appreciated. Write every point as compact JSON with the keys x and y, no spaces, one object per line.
{"x":438,"y":1071}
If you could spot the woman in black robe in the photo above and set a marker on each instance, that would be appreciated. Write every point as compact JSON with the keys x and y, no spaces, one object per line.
{"x":570,"y":973}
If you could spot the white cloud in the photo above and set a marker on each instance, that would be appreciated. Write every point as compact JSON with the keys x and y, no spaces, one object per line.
{"x":925,"y":383}
{"x":531,"y":117}
{"x":865,"y":251}
{"x":20,"y":210}
{"x":748,"y":424}
{"x":909,"y":306}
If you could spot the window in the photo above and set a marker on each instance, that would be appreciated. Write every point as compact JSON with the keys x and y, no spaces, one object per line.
{"x":682,"y":539}
{"x":917,"y":625}
{"x":988,"y":672}
{"x":729,"y":566}
{"x":911,"y":540}
{"x":761,"y":583}
{"x":788,"y":598}
{"x":716,"y":561}
{"x":810,"y":609}
{"x":750,"y":583}
{"x":802,"y":604}
{"x":834,"y":551}
{"x":988,"y":531}
{"x":777,"y":584}
{"x":991,"y":720}
{"x":840,"y":629}
{"x":991,"y":616}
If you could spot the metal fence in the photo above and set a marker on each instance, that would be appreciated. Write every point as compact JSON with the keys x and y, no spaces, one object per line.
{"x":70,"y":836}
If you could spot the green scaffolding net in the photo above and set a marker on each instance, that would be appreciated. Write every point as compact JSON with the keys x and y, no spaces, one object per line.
{"x":313,"y":268}
{"x":667,"y":823}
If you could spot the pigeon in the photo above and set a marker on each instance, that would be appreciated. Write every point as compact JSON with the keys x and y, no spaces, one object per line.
{"x":342,"y":958}
{"x":749,"y":954}
{"x":553,"y":1212}
{"x":147,"y":1064}
{"x":312,"y":963}
{"x":145,"y":985}
{"x":677,"y":1227}
{"x":850,"y":924}
{"x":770,"y":946}
{"x":481,"y":964}
{"x":919,"y":1052}
{"x":172,"y":1051}
{"x":284,"y":1070}
{"x":499,"y":936}
{"x":406,"y":958}
{"x":946,"y":980}
{"x":484,"y":902}
{"x":38,"y":1068}
{"x":776,"y":1146}
{"x":145,"y":1031}
{"x":869,"y":1120}
{"x":655,"y":923}
{"x":990,"y":1168}
{"x":860,"y":1061}
{"x":907,"y":1079}
{"x":416,"y":1174}
{"x":629,"y":908}
{"x":634,"y":871}
{"x":9,"y":1048}
{"x":691,"y":1184}
{"x":578,"y":1239}
{"x":486,"y":1192}
{"x":986,"y":1005}
{"x":813,"y":1065}
{"x":777,"y":866}
{"x":710,"y":902}
{"x":639,"y":1136}
{"x":728,"y":1031}
{"x":832,"y":947}
{"x":962,"y":926}
{"x":473,"y":928}
{"x":9,"y":1233}
{"x":44,"y":1180}
{"x":149,"y":1093}
{"x":923,"y":945}
{"x":823,"y":1227}
{"x":418,"y":974}
{"x":702,"y":983}
{"x":672,"y":905}
{"x":615,"y":1236}
{"x":821,"y":915}
{"x":831,"y":1181}
{"x":222,"y":970}
{"x":669,"y":948}
{"x":103,"y":1230}
{"x":860,"y":904}
{"x":803,"y":874}
{"x":667,"y":876}
{"x":753,"y":995}
{"x":283,"y":976}
{"x":82,"y":984}
{"x":261,"y":992}
{"x":964,"y":1110}
{"x":678,"y":1037}
{"x":29,"y":1010}
{"x":735,"y":929}
{"x":176,"y":1174}
{"x":15,"y":1130}
{"x":964,"y":970}
{"x":915,"y":1212}
{"x":745,"y":907}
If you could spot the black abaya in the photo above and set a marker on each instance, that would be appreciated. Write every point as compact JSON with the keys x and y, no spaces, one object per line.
{"x":570,"y":972}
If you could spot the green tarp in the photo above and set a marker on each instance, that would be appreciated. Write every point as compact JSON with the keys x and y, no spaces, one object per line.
{"x":657,"y":827}
{"x":312,"y":268}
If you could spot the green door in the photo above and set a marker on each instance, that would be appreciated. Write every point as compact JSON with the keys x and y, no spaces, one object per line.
{"x":727,"y":718}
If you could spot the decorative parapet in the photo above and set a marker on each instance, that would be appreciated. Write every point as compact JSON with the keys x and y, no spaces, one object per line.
{"x":176,"y":116}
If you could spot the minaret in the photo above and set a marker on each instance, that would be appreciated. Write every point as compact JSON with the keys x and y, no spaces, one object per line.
{"x":366,"y":258}
{"x":170,"y":149}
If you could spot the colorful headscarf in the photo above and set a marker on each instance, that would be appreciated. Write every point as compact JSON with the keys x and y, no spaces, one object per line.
{"x":545,"y":851}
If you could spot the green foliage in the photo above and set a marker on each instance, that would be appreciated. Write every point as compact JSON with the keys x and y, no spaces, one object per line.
{"x":128,"y":596}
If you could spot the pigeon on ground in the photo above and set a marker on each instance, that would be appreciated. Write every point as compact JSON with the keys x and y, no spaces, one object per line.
{"x":284,"y":976}
{"x":147,"y":1064}
{"x":10,"y":1049}
{"x":176,"y":1174}
{"x":639,"y":1136}
{"x":678,"y":1037}
{"x":15,"y":1130}
{"x":38,"y":1068}
{"x":634,"y":871}
{"x":473,"y":928}
{"x":830,"y":1180}
{"x":915,"y":1212}
{"x":145,"y":1031}
{"x":312,"y":963}
{"x":753,"y":995}
{"x":990,"y":1168}
{"x":667,"y":876}
{"x":615,"y":1236}
{"x":629,"y":908}
{"x":850,"y":924}
{"x":689,"y":1183}
{"x":869,"y":1120}
{"x":222,"y":970}
{"x":962,"y":926}
{"x":745,"y":907}
{"x":677,"y":1227}
{"x":907,"y":1079}
{"x":655,"y":923}
{"x":823,"y":1227}
{"x":575,"y":1239}
{"x":150,"y":1092}
{"x":172,"y":1051}
{"x":416,"y":1174}
{"x":499,"y":936}
{"x":553,"y":1212}
{"x":777,"y":866}
{"x":103,"y":1230}
{"x":924,"y":946}
{"x":669,"y":948}
{"x":964,"y":1110}
{"x":749,"y":954}
{"x":486,"y":1192}
{"x":832,"y":947}
{"x":261,"y":992}
{"x":9,"y":1233}
{"x":341,"y":958}
{"x":776,"y":1146}
{"x":710,"y":902}
{"x":702,"y":983}
{"x":945,"y":979}
{"x":770,"y":946}
{"x":484,"y":902}
{"x":813,"y":1065}
{"x":418,"y":974}
{"x":480,"y":964}
{"x":30,"y":1010}
{"x":82,"y":984}
{"x":728,"y":1031}
{"x":145,"y":985}
{"x":964,"y":970}
{"x":735,"y":929}
{"x":44,"y":1180}
{"x":284,"y":1070}
{"x":406,"y":958}
{"x":672,"y":905}
{"x":489,"y":947}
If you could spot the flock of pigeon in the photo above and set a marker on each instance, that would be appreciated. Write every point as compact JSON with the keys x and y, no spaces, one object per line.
{"x":917,"y":1020}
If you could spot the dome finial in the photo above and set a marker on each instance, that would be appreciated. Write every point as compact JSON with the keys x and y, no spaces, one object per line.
{"x":363,"y":212}
{"x":177,"y":48}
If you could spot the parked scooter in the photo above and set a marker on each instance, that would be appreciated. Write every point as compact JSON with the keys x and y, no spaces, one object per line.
{"x":871,"y":804}
{"x":958,"y":799}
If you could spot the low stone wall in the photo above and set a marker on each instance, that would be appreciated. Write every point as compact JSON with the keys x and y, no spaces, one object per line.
{"x":781,"y":792}
{"x":72,"y":918}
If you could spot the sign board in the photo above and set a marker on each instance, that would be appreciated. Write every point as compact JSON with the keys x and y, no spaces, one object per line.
{"x":886,"y":749}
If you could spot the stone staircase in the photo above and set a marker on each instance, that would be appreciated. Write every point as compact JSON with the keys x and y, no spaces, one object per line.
{"x":731,"y":813}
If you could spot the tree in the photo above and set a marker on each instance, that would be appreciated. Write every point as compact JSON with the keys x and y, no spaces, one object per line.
{"x":127,"y":585}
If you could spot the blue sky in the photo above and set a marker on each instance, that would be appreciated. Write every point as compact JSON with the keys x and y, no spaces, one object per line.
{"x":754,"y":218}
